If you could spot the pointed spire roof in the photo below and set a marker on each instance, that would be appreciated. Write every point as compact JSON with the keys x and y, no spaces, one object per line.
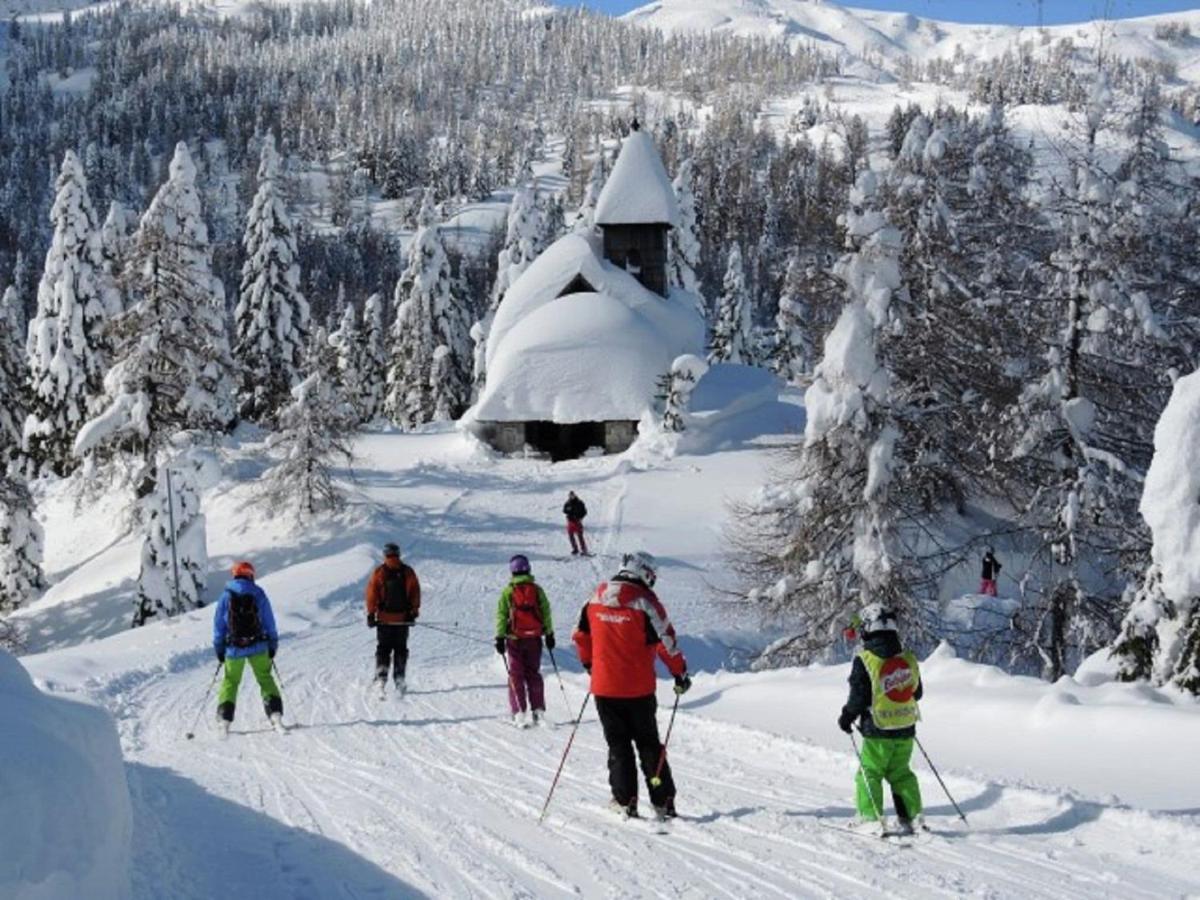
{"x":638,"y":192}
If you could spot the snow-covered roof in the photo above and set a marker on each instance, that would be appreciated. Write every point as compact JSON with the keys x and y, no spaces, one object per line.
{"x":638,"y":191}
{"x":582,"y":357}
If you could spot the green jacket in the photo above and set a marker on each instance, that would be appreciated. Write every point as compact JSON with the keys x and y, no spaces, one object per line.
{"x":505,"y":608}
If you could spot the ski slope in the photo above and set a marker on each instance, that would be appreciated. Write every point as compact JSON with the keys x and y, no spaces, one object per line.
{"x":436,"y":794}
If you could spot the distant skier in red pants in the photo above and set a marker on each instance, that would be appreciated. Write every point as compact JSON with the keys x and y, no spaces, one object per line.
{"x":575,"y":512}
{"x":990,"y":571}
{"x":523,"y":621}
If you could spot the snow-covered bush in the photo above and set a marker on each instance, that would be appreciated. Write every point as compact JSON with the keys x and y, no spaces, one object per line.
{"x":685,"y":372}
{"x":68,"y":824}
{"x":271,"y":318}
{"x":174,"y":569}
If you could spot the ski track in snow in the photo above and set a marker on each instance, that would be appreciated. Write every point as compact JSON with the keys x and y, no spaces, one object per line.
{"x":437,"y":794}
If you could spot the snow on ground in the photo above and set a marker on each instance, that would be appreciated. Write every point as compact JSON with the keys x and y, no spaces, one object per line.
{"x":438,"y":795}
{"x":66,"y":826}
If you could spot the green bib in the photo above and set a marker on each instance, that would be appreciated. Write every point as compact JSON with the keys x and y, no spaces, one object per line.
{"x":893,"y":686}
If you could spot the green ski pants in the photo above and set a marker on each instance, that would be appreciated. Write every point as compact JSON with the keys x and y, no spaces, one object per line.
{"x":887,"y":759}
{"x":260,"y":665}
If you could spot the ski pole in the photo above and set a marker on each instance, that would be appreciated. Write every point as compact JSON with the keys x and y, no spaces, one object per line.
{"x":191,"y":734}
{"x":933,"y":768}
{"x":512,"y":688}
{"x":656,"y":779}
{"x":862,"y":773}
{"x":558,"y":675}
{"x":563,"y":761}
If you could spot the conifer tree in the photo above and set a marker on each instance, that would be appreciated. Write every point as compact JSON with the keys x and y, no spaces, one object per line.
{"x":271,"y":317}
{"x":21,"y":578}
{"x":174,"y":570}
{"x":312,"y":437}
{"x":428,"y":316}
{"x":685,"y":372}
{"x":174,"y":371}
{"x":791,"y":353}
{"x":66,"y":350}
{"x":14,"y":397}
{"x":350,"y":345}
{"x":685,"y":239}
{"x":732,"y":328}
{"x":374,"y":359}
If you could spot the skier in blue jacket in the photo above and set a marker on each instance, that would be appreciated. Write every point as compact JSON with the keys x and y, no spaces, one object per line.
{"x":244,"y":631}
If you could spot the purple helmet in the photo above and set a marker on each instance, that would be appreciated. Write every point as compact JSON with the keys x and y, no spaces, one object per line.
{"x":519,"y":564}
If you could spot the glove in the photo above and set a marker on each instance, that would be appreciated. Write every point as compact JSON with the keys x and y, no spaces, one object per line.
{"x":846,"y":723}
{"x":220,"y":651}
{"x":550,"y":641}
{"x":414,"y":616}
{"x":500,"y":645}
{"x":683,"y":684}
{"x":370,"y":620}
{"x":587,"y":667}
{"x":271,"y":651}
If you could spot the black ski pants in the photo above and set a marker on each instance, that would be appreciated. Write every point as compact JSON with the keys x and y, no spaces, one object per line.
{"x":392,"y":644}
{"x":630,"y":722}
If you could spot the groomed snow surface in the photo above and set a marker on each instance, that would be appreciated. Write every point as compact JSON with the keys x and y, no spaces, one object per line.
{"x":1082,"y":788}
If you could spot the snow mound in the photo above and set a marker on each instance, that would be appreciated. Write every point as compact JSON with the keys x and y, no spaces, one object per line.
{"x":67,"y":823}
{"x":589,"y":355}
{"x":639,"y":191}
{"x":1171,"y":499}
{"x":979,"y":612}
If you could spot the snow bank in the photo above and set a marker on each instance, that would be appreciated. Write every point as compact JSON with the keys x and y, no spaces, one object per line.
{"x":1092,"y":738}
{"x":66,"y":825}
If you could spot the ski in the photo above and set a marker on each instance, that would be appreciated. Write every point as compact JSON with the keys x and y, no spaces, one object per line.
{"x":895,"y":838}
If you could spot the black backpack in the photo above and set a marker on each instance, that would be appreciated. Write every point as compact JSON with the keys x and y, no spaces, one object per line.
{"x":395,"y":592}
{"x":245,"y":628}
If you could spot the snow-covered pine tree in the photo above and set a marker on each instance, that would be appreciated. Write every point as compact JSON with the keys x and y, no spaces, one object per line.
{"x":313,"y":437}
{"x":271,"y":318}
{"x":552,"y":222}
{"x":374,"y":359}
{"x":684,"y":250}
{"x":685,"y":372}
{"x":731,"y":332}
{"x":14,"y":397}
{"x":21,"y":579}
{"x":173,"y":369}
{"x":585,"y":218}
{"x":66,"y":349}
{"x":1160,"y":637}
{"x":791,"y":355}
{"x":115,"y":241}
{"x":822,"y":537}
{"x":522,"y":243}
{"x":350,"y":345}
{"x":171,"y":583}
{"x":428,"y":316}
{"x":1081,"y":431}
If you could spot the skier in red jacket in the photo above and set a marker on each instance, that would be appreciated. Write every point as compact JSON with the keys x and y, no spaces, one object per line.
{"x":621,"y":630}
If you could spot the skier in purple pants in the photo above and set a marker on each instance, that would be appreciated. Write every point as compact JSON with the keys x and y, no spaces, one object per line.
{"x":523,"y":621}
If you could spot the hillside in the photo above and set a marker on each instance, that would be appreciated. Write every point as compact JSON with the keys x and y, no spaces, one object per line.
{"x":883,"y":39}
{"x":437,"y":795}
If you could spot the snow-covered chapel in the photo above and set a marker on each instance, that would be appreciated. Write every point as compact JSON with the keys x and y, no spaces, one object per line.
{"x":582,"y":338}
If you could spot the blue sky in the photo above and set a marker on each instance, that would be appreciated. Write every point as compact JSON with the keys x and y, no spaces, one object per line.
{"x":1015,"y":12}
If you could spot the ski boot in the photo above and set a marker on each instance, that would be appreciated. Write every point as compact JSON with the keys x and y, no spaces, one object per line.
{"x":625,"y":810}
{"x":401,"y":686}
{"x":519,"y":720}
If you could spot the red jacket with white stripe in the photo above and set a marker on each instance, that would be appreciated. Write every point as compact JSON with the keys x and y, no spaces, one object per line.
{"x":621,"y":630}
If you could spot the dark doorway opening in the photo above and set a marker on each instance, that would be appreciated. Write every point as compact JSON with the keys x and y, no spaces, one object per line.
{"x":564,"y":441}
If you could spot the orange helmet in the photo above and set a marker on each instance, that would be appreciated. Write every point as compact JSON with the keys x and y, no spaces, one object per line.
{"x":243,"y":569}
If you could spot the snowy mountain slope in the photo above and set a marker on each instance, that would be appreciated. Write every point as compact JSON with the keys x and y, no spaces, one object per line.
{"x":438,"y":795}
{"x":869,"y":35}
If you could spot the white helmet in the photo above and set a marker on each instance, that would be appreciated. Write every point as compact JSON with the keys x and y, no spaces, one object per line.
{"x":877,"y":617}
{"x":641,"y":565}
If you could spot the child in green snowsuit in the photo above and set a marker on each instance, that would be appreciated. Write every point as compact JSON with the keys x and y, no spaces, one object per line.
{"x":885,"y":685}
